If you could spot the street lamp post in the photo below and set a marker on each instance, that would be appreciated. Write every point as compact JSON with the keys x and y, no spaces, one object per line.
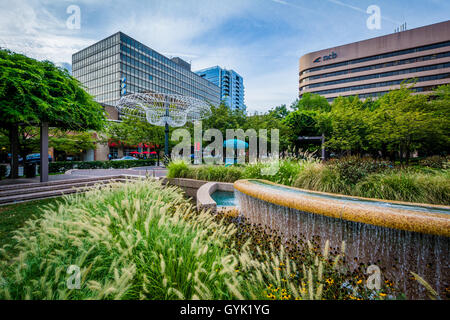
{"x":166,"y":132}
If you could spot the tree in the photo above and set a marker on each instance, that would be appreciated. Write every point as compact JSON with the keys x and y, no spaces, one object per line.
{"x":66,"y":142}
{"x":29,"y":140}
{"x":406,"y":122}
{"x":222,"y":118}
{"x":397,"y":124}
{"x":312,"y":101}
{"x":71,"y":142}
{"x":303,"y":121}
{"x":133,"y":131}
{"x":347,"y":125}
{"x":438,"y":141}
{"x":269,"y":121}
{"x":279,"y":112}
{"x":37,"y":92}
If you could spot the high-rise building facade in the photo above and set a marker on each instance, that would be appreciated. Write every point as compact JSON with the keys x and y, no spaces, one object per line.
{"x":230,"y":83}
{"x":372,"y":67}
{"x":120,"y":65}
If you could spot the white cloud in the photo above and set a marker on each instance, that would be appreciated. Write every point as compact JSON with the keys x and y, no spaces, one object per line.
{"x":171,"y":25}
{"x":280,"y":1}
{"x":29,"y":28}
{"x":340,"y":3}
{"x":37,"y":28}
{"x":195,"y":30}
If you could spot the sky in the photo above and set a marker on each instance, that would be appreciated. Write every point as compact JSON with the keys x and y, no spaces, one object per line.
{"x":262,"y":40}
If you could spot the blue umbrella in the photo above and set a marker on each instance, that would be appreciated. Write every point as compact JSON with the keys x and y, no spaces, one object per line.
{"x":235,"y":143}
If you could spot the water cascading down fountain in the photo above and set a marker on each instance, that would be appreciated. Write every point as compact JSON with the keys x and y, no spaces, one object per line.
{"x":396,"y":236}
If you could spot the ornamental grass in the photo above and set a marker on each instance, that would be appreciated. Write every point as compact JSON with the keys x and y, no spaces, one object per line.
{"x":143,"y":240}
{"x":353,"y":176}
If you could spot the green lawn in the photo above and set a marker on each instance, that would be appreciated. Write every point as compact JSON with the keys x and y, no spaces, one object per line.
{"x":13,"y":217}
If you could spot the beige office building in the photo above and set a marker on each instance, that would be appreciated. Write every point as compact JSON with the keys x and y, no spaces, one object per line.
{"x":372,"y":67}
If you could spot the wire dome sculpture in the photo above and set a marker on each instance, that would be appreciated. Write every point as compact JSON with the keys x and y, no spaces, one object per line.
{"x":163,"y":109}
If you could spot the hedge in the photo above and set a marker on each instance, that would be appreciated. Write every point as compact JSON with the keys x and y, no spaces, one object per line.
{"x":63,"y":166}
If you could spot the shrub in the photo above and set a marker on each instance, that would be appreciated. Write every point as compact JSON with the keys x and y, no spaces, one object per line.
{"x":177,"y":169}
{"x":353,"y":176}
{"x":60,"y":167}
{"x":320,"y":177}
{"x":289,"y":171}
{"x":407,"y":185}
{"x":352,"y":169}
{"x":400,"y":185}
{"x":285,"y":170}
{"x":63,"y":166}
{"x":220,"y":173}
{"x":436,"y":162}
{"x":216,"y":173}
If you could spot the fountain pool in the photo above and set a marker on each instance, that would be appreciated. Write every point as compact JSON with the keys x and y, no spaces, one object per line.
{"x":224,"y":198}
{"x":396,"y":236}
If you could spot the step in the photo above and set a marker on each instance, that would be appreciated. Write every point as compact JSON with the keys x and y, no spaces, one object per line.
{"x":40,"y":195}
{"x":55,"y":182}
{"x":53,"y":193}
{"x":52,"y":187}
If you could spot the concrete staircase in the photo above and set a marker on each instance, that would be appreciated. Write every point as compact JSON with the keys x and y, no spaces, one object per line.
{"x":10,"y":194}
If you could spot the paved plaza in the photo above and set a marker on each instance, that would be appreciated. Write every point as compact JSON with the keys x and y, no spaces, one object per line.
{"x":74,"y":174}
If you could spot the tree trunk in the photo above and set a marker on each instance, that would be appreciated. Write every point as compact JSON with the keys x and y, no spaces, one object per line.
{"x":408,"y":154}
{"x":44,"y":151}
{"x":23,"y":146}
{"x":392,"y":156}
{"x":402,"y":151}
{"x":14,"y":141}
{"x":408,"y":150}
{"x":383,"y":151}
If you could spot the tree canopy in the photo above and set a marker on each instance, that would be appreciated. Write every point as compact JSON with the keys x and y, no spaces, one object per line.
{"x":33,"y":91}
{"x":303,"y":120}
{"x":133,"y":131}
{"x":71,"y":143}
{"x":222,"y":118}
{"x":397,"y":124}
{"x":394,"y":126}
{"x":311,"y":101}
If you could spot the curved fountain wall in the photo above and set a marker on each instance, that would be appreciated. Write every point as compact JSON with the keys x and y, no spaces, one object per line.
{"x":396,"y":236}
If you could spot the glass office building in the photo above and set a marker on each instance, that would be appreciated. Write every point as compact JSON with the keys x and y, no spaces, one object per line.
{"x":372,"y":67}
{"x":120,"y":65}
{"x":230,"y":83}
